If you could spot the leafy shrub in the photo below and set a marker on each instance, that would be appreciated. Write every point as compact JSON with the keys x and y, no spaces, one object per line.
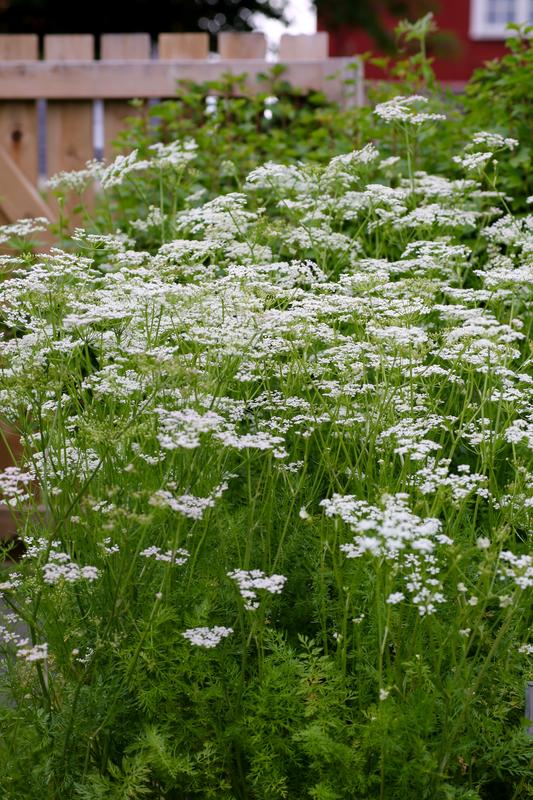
{"x":499,"y":96}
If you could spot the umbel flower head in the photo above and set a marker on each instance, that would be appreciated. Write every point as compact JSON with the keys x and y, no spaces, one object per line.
{"x":406,"y":110}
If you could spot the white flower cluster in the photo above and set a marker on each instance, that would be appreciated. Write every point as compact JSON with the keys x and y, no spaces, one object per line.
{"x":38,"y":652}
{"x":175,"y":154}
{"x":494,"y":140}
{"x":277,"y":177}
{"x":178,"y":556}
{"x":12,"y":583}
{"x":119,"y":169}
{"x":184,"y":428}
{"x":76,"y":180}
{"x":188,"y":505}
{"x":60,"y":567}
{"x":406,"y":110}
{"x":435,"y":475}
{"x":252,"y":581}
{"x":384,"y":531}
{"x":207,"y":637}
{"x":399,"y":536}
{"x":473,"y":162}
{"x":108,"y":547}
{"x":520,"y":431}
{"x":14,"y":483}
{"x":23,"y":648}
{"x":23,"y":227}
{"x":519,"y":568}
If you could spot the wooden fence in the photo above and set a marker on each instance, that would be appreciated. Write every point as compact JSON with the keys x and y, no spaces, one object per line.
{"x":70,"y":80}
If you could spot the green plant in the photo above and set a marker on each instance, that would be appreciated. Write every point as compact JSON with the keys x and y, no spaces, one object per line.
{"x":282,"y":439}
{"x":499,"y":96}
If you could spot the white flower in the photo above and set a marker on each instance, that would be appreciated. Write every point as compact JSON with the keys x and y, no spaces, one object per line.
{"x":395,"y":533}
{"x":175,"y":154}
{"x":517,"y":568}
{"x":383,"y":694}
{"x":472,"y":162}
{"x":120,"y":168}
{"x":60,"y":567}
{"x":178,"y":556}
{"x":405,"y":109}
{"x":465,"y":632}
{"x":394,"y":598}
{"x":494,"y":140}
{"x":38,"y":652}
{"x":23,"y":227}
{"x":252,"y":581}
{"x":207,"y":637}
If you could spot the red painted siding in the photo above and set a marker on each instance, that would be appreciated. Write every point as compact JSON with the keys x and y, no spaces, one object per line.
{"x":451,"y":16}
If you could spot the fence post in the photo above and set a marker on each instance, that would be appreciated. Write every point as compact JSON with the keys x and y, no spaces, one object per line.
{"x":121,"y":47}
{"x":241,"y":45}
{"x":175,"y":46}
{"x":303,"y":47}
{"x":69,"y":123}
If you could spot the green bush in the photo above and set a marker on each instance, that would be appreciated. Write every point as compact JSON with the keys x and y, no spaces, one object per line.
{"x":499,"y":97}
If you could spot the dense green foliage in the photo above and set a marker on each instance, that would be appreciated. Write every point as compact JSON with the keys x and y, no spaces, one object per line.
{"x":500,"y":96}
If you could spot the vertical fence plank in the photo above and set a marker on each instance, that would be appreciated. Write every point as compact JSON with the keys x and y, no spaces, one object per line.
{"x":121,"y":47}
{"x":69,"y":123}
{"x":241,"y":45}
{"x":18,"y":122}
{"x":176,"y":46}
{"x":303,"y":47}
{"x":125,"y":46}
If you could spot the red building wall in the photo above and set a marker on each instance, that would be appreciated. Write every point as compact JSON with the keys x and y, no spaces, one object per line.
{"x":453,"y":16}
